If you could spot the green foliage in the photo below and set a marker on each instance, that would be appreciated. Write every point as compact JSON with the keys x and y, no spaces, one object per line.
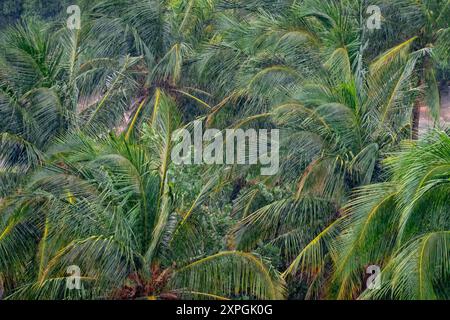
{"x":401,"y":224}
{"x":86,"y":123}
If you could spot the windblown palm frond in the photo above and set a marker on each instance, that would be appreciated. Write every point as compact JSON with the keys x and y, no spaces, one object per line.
{"x":107,"y":206}
{"x":400,"y":225}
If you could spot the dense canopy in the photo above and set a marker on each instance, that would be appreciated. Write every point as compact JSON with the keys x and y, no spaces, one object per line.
{"x":90,"y":194}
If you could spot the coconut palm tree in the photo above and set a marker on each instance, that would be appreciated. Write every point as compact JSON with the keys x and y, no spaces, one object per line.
{"x":110,"y":206}
{"x":166,"y":35}
{"x":401,"y":225}
{"x":88,"y":118}
{"x":337,"y":123}
{"x":427,"y":21}
{"x":337,"y":133}
{"x":52,"y":84}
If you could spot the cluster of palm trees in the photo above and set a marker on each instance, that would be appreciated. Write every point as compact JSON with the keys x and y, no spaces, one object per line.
{"x":87,"y":118}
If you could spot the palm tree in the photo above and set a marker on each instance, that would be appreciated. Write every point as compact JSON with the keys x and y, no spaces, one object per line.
{"x":50,"y":85}
{"x":338,"y":122}
{"x":166,"y":34}
{"x":337,"y":133}
{"x":401,"y":225}
{"x":87,"y":119}
{"x":110,"y":206}
{"x":427,"y":21}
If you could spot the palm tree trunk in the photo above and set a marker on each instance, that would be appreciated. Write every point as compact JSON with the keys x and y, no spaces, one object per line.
{"x":416,"y":119}
{"x":2,"y":290}
{"x":418,"y":104}
{"x":444,"y":94}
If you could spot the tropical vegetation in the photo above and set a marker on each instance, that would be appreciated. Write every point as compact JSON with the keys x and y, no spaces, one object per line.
{"x":87,"y":123}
